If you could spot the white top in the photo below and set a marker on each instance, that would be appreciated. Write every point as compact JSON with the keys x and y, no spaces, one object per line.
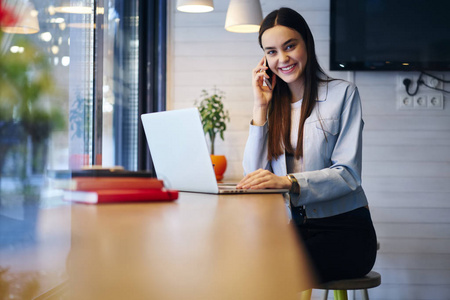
{"x":294,"y":165}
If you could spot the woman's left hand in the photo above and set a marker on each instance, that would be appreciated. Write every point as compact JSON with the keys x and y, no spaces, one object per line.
{"x":263,"y":179}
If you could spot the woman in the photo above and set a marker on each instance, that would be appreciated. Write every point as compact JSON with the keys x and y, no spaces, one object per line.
{"x":306,"y":136}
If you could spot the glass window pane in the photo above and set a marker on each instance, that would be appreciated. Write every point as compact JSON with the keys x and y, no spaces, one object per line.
{"x":120,"y":83}
{"x":90,"y":51}
{"x":79,"y":88}
{"x":38,"y":68}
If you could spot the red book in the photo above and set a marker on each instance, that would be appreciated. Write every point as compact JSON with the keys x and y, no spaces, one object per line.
{"x":114,"y":196}
{"x":116,"y":183}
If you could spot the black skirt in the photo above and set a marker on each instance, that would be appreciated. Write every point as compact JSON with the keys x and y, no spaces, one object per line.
{"x":340,"y":247}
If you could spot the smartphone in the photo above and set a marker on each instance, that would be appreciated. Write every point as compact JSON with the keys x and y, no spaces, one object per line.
{"x":267,"y":81}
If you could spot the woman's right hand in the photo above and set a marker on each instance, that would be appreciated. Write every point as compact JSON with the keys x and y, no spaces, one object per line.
{"x":262,"y":94}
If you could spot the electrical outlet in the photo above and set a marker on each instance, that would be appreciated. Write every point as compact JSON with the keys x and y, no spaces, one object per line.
{"x":425,"y":98}
{"x":435,"y":101}
{"x":420,"y":101}
{"x":433,"y":82}
{"x":428,"y":80}
{"x":401,"y":78}
{"x":405,"y":102}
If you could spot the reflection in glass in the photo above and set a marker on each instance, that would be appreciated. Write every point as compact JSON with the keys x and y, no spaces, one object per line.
{"x":102,"y":40}
{"x":120,"y":84}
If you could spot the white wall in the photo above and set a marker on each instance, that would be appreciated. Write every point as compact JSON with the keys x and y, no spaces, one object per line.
{"x":406,"y":167}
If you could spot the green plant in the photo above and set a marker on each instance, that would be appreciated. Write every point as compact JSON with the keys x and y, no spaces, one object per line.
{"x":26,"y":83}
{"x":25,"y":78}
{"x":214,"y":116}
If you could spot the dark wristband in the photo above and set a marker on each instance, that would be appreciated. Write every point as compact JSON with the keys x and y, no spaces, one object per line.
{"x":295,"y":188}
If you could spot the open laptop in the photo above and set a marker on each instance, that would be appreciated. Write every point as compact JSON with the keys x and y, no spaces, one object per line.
{"x":180,"y":153}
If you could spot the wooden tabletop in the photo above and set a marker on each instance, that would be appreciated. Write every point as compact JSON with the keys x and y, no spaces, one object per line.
{"x":198,"y":247}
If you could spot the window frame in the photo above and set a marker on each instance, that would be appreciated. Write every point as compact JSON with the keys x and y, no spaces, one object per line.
{"x":152,"y":72}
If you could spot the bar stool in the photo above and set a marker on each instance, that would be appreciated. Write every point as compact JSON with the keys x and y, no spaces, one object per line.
{"x":340,"y":287}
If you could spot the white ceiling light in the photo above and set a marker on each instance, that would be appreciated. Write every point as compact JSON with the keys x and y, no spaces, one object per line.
{"x":243,"y":16}
{"x":46,"y":36}
{"x":73,"y":7}
{"x":195,"y":6}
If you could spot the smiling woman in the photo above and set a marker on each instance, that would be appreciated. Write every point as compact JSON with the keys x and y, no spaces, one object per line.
{"x":306,"y":136}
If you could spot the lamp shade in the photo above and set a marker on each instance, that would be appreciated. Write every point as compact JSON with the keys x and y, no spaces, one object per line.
{"x":243,"y":16}
{"x":195,"y":6}
{"x":28,"y":22}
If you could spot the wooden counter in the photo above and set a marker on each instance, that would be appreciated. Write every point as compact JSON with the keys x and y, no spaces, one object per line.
{"x":199,"y":247}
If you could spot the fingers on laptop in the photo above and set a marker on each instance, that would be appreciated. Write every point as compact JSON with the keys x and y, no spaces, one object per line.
{"x":259,"y":179}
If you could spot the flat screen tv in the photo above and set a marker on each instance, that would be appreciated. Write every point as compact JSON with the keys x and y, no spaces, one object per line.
{"x":390,"y":35}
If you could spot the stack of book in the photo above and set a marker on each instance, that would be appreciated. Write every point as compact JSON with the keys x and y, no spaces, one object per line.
{"x":117,"y":187}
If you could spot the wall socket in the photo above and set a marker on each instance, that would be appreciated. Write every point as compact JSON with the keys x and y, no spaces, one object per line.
{"x":420,"y":101}
{"x":436,"y":101}
{"x":405,"y":102}
{"x":425,"y":99}
{"x":430,"y":81}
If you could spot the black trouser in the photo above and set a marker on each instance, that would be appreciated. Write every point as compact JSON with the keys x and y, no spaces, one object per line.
{"x":340,"y":247}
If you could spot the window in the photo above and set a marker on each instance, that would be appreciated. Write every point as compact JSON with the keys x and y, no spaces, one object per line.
{"x":108,"y":66}
{"x":102,"y":53}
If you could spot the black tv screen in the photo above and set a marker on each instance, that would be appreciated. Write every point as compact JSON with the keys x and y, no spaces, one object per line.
{"x":390,"y":35}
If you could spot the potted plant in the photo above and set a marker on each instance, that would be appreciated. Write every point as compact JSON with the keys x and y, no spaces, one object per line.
{"x":214,"y":118}
{"x":27,"y":119}
{"x":26,"y":122}
{"x":25,"y":78}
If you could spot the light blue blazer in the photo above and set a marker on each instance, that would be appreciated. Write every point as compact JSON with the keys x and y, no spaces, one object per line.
{"x":330,"y":181}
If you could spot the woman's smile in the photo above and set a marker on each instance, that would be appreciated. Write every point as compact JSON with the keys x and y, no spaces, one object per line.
{"x":287,"y":69}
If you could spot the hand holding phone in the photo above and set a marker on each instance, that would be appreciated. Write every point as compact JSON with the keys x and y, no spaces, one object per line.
{"x":262,"y":91}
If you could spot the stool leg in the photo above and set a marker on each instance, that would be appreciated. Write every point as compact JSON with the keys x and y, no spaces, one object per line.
{"x":340,"y":295}
{"x":365,"y":294}
{"x":306,"y":295}
{"x":325,"y":295}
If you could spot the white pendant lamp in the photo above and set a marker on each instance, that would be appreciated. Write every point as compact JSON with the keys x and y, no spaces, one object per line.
{"x":244,"y":16}
{"x":28,"y":22}
{"x":195,"y":6}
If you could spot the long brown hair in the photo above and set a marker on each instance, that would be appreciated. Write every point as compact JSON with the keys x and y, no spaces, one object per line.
{"x":280,"y":105}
